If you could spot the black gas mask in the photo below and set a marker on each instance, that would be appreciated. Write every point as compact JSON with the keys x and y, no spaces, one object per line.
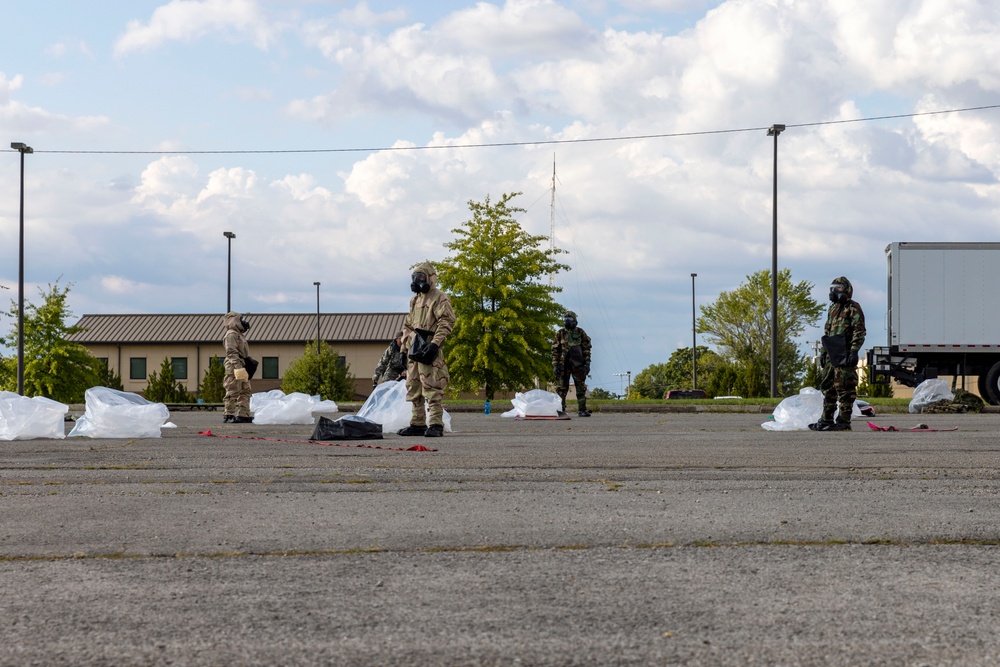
{"x":419,"y":283}
{"x":245,"y":323}
{"x":838,"y":293}
{"x":569,"y":322}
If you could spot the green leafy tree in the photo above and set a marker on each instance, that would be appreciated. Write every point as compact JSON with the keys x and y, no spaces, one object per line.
{"x":320,"y":374}
{"x":739,"y":323}
{"x":656,"y":380}
{"x":53,"y":367}
{"x":505,"y":313}
{"x":164,"y":388}
{"x":211,"y":390}
{"x":814,"y":374}
{"x":109,"y":378}
{"x":601,"y":394}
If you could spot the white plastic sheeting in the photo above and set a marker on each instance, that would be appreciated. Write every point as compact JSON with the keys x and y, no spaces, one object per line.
{"x":24,"y":418}
{"x":534,"y":403}
{"x":795,"y":413}
{"x":111,"y":413}
{"x":276,"y":407}
{"x":930,"y":391}
{"x":387,"y":406}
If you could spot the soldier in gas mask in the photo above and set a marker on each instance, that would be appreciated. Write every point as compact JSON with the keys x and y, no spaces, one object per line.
{"x":425,"y":329}
{"x":843,"y":336}
{"x":571,"y":357}
{"x":236,"y":381}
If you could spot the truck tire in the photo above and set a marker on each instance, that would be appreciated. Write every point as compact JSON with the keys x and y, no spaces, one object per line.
{"x":993,"y":385}
{"x":984,"y":388}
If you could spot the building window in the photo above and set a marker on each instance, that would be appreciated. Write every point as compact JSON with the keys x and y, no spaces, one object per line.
{"x":342,"y":362}
{"x":180,"y":367}
{"x":137,"y":368}
{"x":103,"y":360}
{"x":269,"y":368}
{"x":216,"y":361}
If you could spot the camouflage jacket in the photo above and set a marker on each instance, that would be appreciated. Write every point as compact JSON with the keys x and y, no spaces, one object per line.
{"x":391,"y":365}
{"x":429,"y":312}
{"x":846,"y":319}
{"x":563,"y":353}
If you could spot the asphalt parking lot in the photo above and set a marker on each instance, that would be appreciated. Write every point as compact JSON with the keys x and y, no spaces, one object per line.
{"x":622,"y":539}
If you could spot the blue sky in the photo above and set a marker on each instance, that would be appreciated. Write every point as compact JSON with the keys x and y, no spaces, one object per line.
{"x":142,"y":232}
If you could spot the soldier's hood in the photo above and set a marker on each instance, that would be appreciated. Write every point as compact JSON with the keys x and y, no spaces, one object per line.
{"x":849,"y":288}
{"x":428,"y":268}
{"x":232,"y":322}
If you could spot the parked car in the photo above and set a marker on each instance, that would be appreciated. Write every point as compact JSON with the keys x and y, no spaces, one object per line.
{"x":685,"y":393}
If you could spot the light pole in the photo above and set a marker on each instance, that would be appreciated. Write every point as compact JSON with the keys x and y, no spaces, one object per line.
{"x":317,"y":318}
{"x":694,"y":339}
{"x":23,"y":149}
{"x":774,"y":131}
{"x":229,"y":271}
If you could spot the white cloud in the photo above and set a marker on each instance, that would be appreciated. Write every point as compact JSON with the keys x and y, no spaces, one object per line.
{"x":188,"y":20}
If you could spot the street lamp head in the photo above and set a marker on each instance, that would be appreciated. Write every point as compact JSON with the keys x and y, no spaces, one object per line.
{"x":22,"y":147}
{"x":229,"y":235}
{"x":316,"y":284}
{"x":694,"y":275}
{"x":775,"y":130}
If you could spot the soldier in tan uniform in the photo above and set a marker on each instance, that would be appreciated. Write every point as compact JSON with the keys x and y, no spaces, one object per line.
{"x":432,"y":319}
{"x":236,"y":381}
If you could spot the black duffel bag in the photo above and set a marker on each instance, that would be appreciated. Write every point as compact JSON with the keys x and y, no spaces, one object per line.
{"x":348,"y":427}
{"x":419,"y":351}
{"x":251,"y":365}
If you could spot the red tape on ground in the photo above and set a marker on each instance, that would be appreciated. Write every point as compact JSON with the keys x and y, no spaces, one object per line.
{"x":415,"y":448}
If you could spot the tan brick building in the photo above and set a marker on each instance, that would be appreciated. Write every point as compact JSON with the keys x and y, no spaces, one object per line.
{"x":136,"y":345}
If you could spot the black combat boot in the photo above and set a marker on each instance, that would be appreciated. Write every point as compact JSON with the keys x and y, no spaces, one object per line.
{"x":584,"y":412}
{"x":434,"y":431}
{"x":821,"y":425}
{"x":242,"y":420}
{"x":412,"y":429}
{"x":838,"y":426}
{"x":228,"y":419}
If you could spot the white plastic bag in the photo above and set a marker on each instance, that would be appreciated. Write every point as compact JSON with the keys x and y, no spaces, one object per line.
{"x":275,"y":407}
{"x":930,"y":391}
{"x":795,"y":413}
{"x":534,"y":403}
{"x":387,"y":406}
{"x":119,"y":414}
{"x":24,"y":418}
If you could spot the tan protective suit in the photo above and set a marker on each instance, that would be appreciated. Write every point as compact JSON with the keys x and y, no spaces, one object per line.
{"x":237,"y":400}
{"x":426,"y":382}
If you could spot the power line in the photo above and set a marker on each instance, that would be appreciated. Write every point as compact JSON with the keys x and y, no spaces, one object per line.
{"x":509,"y":144}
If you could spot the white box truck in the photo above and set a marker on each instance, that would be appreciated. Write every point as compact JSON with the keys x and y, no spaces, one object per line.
{"x":943,"y":315}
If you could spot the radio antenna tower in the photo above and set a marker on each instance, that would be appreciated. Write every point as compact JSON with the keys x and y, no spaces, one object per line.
{"x":552,"y":220}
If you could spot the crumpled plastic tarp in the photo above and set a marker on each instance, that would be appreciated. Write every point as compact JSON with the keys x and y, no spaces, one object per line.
{"x":387,"y":406}
{"x":930,"y":391}
{"x":24,"y":418}
{"x":534,"y":403}
{"x":795,"y":413}
{"x":111,"y":413}
{"x":276,"y":407}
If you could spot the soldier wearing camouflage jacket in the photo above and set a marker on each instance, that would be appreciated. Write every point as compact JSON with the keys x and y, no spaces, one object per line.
{"x":431,"y":316}
{"x":571,"y":358}
{"x":845,"y":324}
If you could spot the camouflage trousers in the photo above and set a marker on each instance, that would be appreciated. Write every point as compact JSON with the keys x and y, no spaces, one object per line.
{"x":579,"y":379}
{"x":237,"y":400}
{"x":426,"y":383}
{"x":840,"y":390}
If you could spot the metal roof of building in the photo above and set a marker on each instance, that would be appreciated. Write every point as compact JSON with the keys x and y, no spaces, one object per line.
{"x":264,"y":328}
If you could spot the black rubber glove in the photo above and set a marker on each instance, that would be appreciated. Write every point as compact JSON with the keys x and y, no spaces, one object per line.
{"x":823,"y":359}
{"x":586,"y":369}
{"x":852,"y":360}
